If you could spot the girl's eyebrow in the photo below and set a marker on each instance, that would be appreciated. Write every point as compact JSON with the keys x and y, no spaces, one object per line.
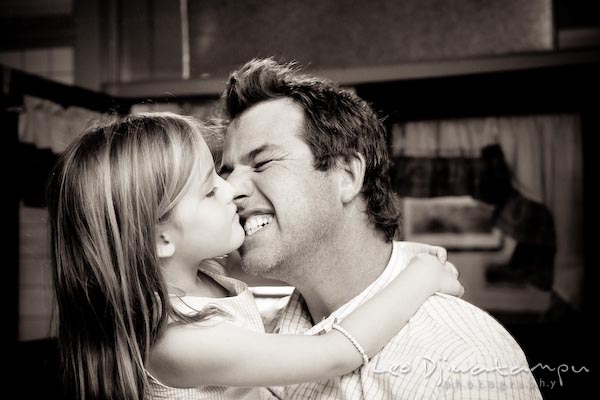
{"x":207,"y":175}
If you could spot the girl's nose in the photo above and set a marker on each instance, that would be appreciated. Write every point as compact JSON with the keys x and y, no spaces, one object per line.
{"x":226,"y":190}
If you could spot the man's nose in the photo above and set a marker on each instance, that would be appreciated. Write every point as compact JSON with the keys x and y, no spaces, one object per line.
{"x":241,"y":182}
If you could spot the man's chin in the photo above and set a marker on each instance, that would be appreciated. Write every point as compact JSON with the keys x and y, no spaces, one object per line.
{"x":258,"y":266}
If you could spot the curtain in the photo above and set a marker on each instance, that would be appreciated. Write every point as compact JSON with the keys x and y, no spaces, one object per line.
{"x":543,"y":153}
{"x":45,"y":130}
{"x":48,"y":125}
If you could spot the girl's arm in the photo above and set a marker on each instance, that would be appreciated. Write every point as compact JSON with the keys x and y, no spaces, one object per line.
{"x":225,"y":355}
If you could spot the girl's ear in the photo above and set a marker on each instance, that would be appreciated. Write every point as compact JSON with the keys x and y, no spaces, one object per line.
{"x":164,"y":247}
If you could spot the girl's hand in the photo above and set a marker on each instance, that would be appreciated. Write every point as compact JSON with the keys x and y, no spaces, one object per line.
{"x":437,"y":251}
{"x":442,"y":277}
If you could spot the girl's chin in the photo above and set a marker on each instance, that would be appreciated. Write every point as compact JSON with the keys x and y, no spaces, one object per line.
{"x":239,"y":239}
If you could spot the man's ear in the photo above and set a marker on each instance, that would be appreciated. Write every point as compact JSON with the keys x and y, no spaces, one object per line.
{"x":165,"y":248}
{"x":352,"y":173}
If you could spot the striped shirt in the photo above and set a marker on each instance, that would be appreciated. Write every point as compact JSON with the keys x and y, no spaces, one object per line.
{"x":450,"y":349}
{"x":241,"y":311}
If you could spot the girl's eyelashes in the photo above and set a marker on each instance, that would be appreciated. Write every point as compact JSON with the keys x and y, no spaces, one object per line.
{"x":212,"y":192}
{"x":213,"y":179}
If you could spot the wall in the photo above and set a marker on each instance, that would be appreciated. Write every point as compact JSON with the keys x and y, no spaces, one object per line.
{"x":355,"y":33}
{"x":35,"y":299}
{"x":17,"y":8}
{"x":337,"y":34}
{"x":55,"y":63}
{"x":35,"y":290}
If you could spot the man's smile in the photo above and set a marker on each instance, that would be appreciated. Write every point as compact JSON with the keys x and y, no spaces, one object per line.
{"x":257,"y":222}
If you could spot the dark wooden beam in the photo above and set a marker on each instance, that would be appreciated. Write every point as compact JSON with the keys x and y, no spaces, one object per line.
{"x":39,"y":31}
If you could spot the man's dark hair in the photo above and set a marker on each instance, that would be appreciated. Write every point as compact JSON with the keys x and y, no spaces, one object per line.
{"x":338,"y":125}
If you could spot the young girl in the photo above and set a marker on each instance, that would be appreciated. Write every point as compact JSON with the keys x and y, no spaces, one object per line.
{"x":137,"y":212}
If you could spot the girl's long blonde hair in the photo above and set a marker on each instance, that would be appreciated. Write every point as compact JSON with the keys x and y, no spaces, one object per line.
{"x":107,"y":193}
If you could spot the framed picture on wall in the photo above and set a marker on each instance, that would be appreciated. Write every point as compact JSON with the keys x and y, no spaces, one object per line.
{"x":456,"y":223}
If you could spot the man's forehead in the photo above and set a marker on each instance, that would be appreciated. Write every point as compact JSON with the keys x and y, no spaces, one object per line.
{"x":239,"y":141}
{"x":268,"y":115}
{"x":258,"y":127}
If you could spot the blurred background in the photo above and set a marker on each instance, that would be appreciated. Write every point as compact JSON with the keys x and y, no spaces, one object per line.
{"x":491,"y":109}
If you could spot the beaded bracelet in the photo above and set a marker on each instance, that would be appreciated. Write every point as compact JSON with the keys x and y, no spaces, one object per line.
{"x":353,"y":341}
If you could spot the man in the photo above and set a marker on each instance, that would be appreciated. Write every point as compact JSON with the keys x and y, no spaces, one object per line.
{"x":309,"y":165}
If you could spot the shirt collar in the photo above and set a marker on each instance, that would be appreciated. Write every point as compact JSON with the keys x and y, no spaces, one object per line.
{"x":296,"y":318}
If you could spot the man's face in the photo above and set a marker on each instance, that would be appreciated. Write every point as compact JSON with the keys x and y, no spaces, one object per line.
{"x":286,"y":207}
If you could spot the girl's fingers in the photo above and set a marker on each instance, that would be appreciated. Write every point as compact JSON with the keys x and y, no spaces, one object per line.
{"x":452,"y":269}
{"x":440,"y":253}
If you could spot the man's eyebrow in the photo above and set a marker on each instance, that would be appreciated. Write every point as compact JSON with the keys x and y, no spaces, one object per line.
{"x":225,"y":168}
{"x":265,"y":147}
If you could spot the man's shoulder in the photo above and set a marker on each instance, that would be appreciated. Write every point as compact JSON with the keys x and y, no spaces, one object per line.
{"x":463,"y":318}
{"x":447,"y":323}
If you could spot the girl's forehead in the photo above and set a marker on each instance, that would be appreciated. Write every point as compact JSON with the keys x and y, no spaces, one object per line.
{"x":205,"y":163}
{"x":204,"y":151}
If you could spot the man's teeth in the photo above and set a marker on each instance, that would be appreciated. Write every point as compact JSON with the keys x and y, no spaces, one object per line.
{"x":256,"y":223}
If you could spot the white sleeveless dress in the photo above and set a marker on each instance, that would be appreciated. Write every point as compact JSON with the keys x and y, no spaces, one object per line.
{"x":243,"y":312}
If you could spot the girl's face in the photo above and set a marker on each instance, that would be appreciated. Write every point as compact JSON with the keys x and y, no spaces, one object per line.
{"x":205,"y":222}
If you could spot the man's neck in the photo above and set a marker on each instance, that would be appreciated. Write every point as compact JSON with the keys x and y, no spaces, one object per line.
{"x":342,"y":274}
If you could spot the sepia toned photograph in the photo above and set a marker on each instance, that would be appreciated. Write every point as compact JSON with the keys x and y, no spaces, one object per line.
{"x":293,"y":200}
